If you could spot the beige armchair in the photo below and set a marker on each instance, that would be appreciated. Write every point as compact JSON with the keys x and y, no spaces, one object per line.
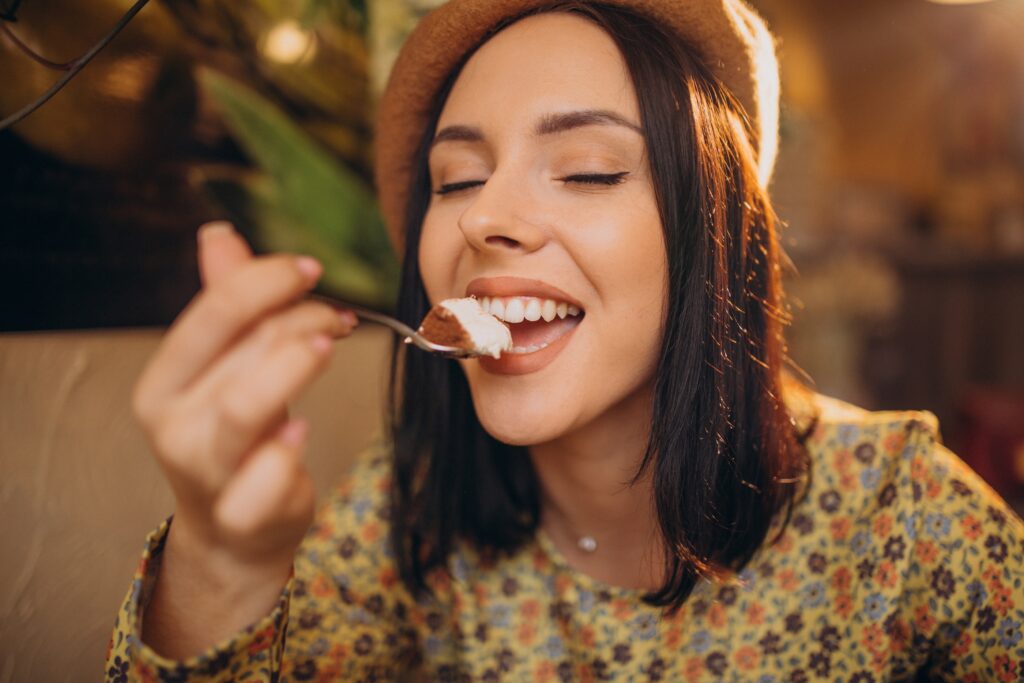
{"x":79,"y":490}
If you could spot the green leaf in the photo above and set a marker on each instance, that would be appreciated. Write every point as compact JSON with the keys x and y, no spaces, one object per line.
{"x":250,"y":203}
{"x":309,"y":201}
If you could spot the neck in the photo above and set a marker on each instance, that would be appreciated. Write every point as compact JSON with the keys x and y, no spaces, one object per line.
{"x":585,"y":490}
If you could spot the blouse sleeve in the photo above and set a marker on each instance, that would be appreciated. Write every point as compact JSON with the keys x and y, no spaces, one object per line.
{"x":967,"y":611}
{"x":340,"y":617}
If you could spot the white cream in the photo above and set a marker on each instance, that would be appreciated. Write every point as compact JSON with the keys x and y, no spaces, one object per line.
{"x":487,"y":334}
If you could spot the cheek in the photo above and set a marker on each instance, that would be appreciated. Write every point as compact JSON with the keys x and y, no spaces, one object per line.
{"x":627,"y":336}
{"x":625,"y":260}
{"x":629,"y":270}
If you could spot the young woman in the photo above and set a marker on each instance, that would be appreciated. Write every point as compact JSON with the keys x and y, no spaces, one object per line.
{"x":635,"y":492}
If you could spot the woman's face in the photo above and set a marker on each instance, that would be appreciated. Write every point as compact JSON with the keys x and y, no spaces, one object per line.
{"x":542,"y":192}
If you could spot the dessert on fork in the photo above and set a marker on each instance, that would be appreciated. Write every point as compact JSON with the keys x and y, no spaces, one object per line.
{"x":463,"y":323}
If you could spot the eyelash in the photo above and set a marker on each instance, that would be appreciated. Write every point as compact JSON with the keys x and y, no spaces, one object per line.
{"x":583,"y":178}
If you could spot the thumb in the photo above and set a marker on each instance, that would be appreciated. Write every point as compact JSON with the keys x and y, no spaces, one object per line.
{"x":221,"y":249}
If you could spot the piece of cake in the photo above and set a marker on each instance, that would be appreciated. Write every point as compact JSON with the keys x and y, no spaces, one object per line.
{"x":462,"y":323}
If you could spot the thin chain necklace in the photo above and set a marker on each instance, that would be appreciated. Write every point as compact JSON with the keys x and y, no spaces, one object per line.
{"x":586,"y":543}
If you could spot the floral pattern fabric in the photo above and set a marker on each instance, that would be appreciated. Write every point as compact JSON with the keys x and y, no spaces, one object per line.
{"x":898,"y":562}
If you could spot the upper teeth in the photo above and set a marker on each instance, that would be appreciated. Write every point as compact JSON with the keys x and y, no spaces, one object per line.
{"x":516,"y":309}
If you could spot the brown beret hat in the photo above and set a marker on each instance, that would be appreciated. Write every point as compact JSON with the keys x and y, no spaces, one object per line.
{"x":729,"y":36}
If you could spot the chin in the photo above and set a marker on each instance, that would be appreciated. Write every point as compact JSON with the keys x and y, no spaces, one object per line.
{"x":517,"y":420}
{"x":514,"y":434}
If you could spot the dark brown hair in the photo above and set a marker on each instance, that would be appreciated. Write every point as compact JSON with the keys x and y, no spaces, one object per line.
{"x":723,"y":450}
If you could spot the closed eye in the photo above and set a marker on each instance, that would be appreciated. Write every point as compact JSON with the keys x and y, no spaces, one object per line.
{"x":582,"y":178}
{"x":596,"y":178}
{"x":448,"y":188}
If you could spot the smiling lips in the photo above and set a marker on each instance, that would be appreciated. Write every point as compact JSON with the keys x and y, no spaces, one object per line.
{"x":537,"y":314}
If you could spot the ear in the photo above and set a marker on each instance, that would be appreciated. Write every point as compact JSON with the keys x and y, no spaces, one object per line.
{"x":220,"y":250}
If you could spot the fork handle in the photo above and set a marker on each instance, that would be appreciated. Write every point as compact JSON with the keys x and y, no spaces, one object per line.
{"x":367,"y":314}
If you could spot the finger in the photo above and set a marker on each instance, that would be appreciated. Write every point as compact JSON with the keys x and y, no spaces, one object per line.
{"x":216,"y":316}
{"x":303,"y":319}
{"x":271,"y":491}
{"x":221,"y":400}
{"x":220,"y":250}
{"x":246,"y":362}
{"x":252,"y":400}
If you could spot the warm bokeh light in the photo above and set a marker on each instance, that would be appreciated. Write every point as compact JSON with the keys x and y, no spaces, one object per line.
{"x":288,"y":43}
{"x":129,"y":78}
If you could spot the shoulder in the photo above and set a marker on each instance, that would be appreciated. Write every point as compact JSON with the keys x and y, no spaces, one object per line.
{"x":869,"y":461}
{"x":922,"y":552}
{"x":885,"y":477}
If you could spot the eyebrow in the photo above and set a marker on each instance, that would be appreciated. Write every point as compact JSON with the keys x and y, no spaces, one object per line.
{"x":549,"y":124}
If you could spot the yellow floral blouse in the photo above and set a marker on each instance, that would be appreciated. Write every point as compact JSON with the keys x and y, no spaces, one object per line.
{"x":899,"y":562}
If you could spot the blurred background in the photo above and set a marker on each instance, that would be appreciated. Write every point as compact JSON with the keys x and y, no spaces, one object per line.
{"x":900,"y":181}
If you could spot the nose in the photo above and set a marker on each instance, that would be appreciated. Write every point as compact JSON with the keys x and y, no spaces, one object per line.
{"x":495,"y":220}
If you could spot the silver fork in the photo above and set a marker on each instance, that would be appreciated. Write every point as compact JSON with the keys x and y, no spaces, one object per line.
{"x":410,"y":335}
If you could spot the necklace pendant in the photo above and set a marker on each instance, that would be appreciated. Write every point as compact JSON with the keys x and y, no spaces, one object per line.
{"x":587,"y":544}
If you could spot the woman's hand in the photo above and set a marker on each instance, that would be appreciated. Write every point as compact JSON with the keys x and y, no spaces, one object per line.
{"x":213,"y":404}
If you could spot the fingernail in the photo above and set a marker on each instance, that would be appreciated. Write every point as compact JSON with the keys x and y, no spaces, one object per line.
{"x":309,"y":267}
{"x":321,"y":343}
{"x":207,"y":229}
{"x":349,"y":318}
{"x":294,"y":431}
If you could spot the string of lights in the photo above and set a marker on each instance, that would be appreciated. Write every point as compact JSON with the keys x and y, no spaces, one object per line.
{"x":8,"y":15}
